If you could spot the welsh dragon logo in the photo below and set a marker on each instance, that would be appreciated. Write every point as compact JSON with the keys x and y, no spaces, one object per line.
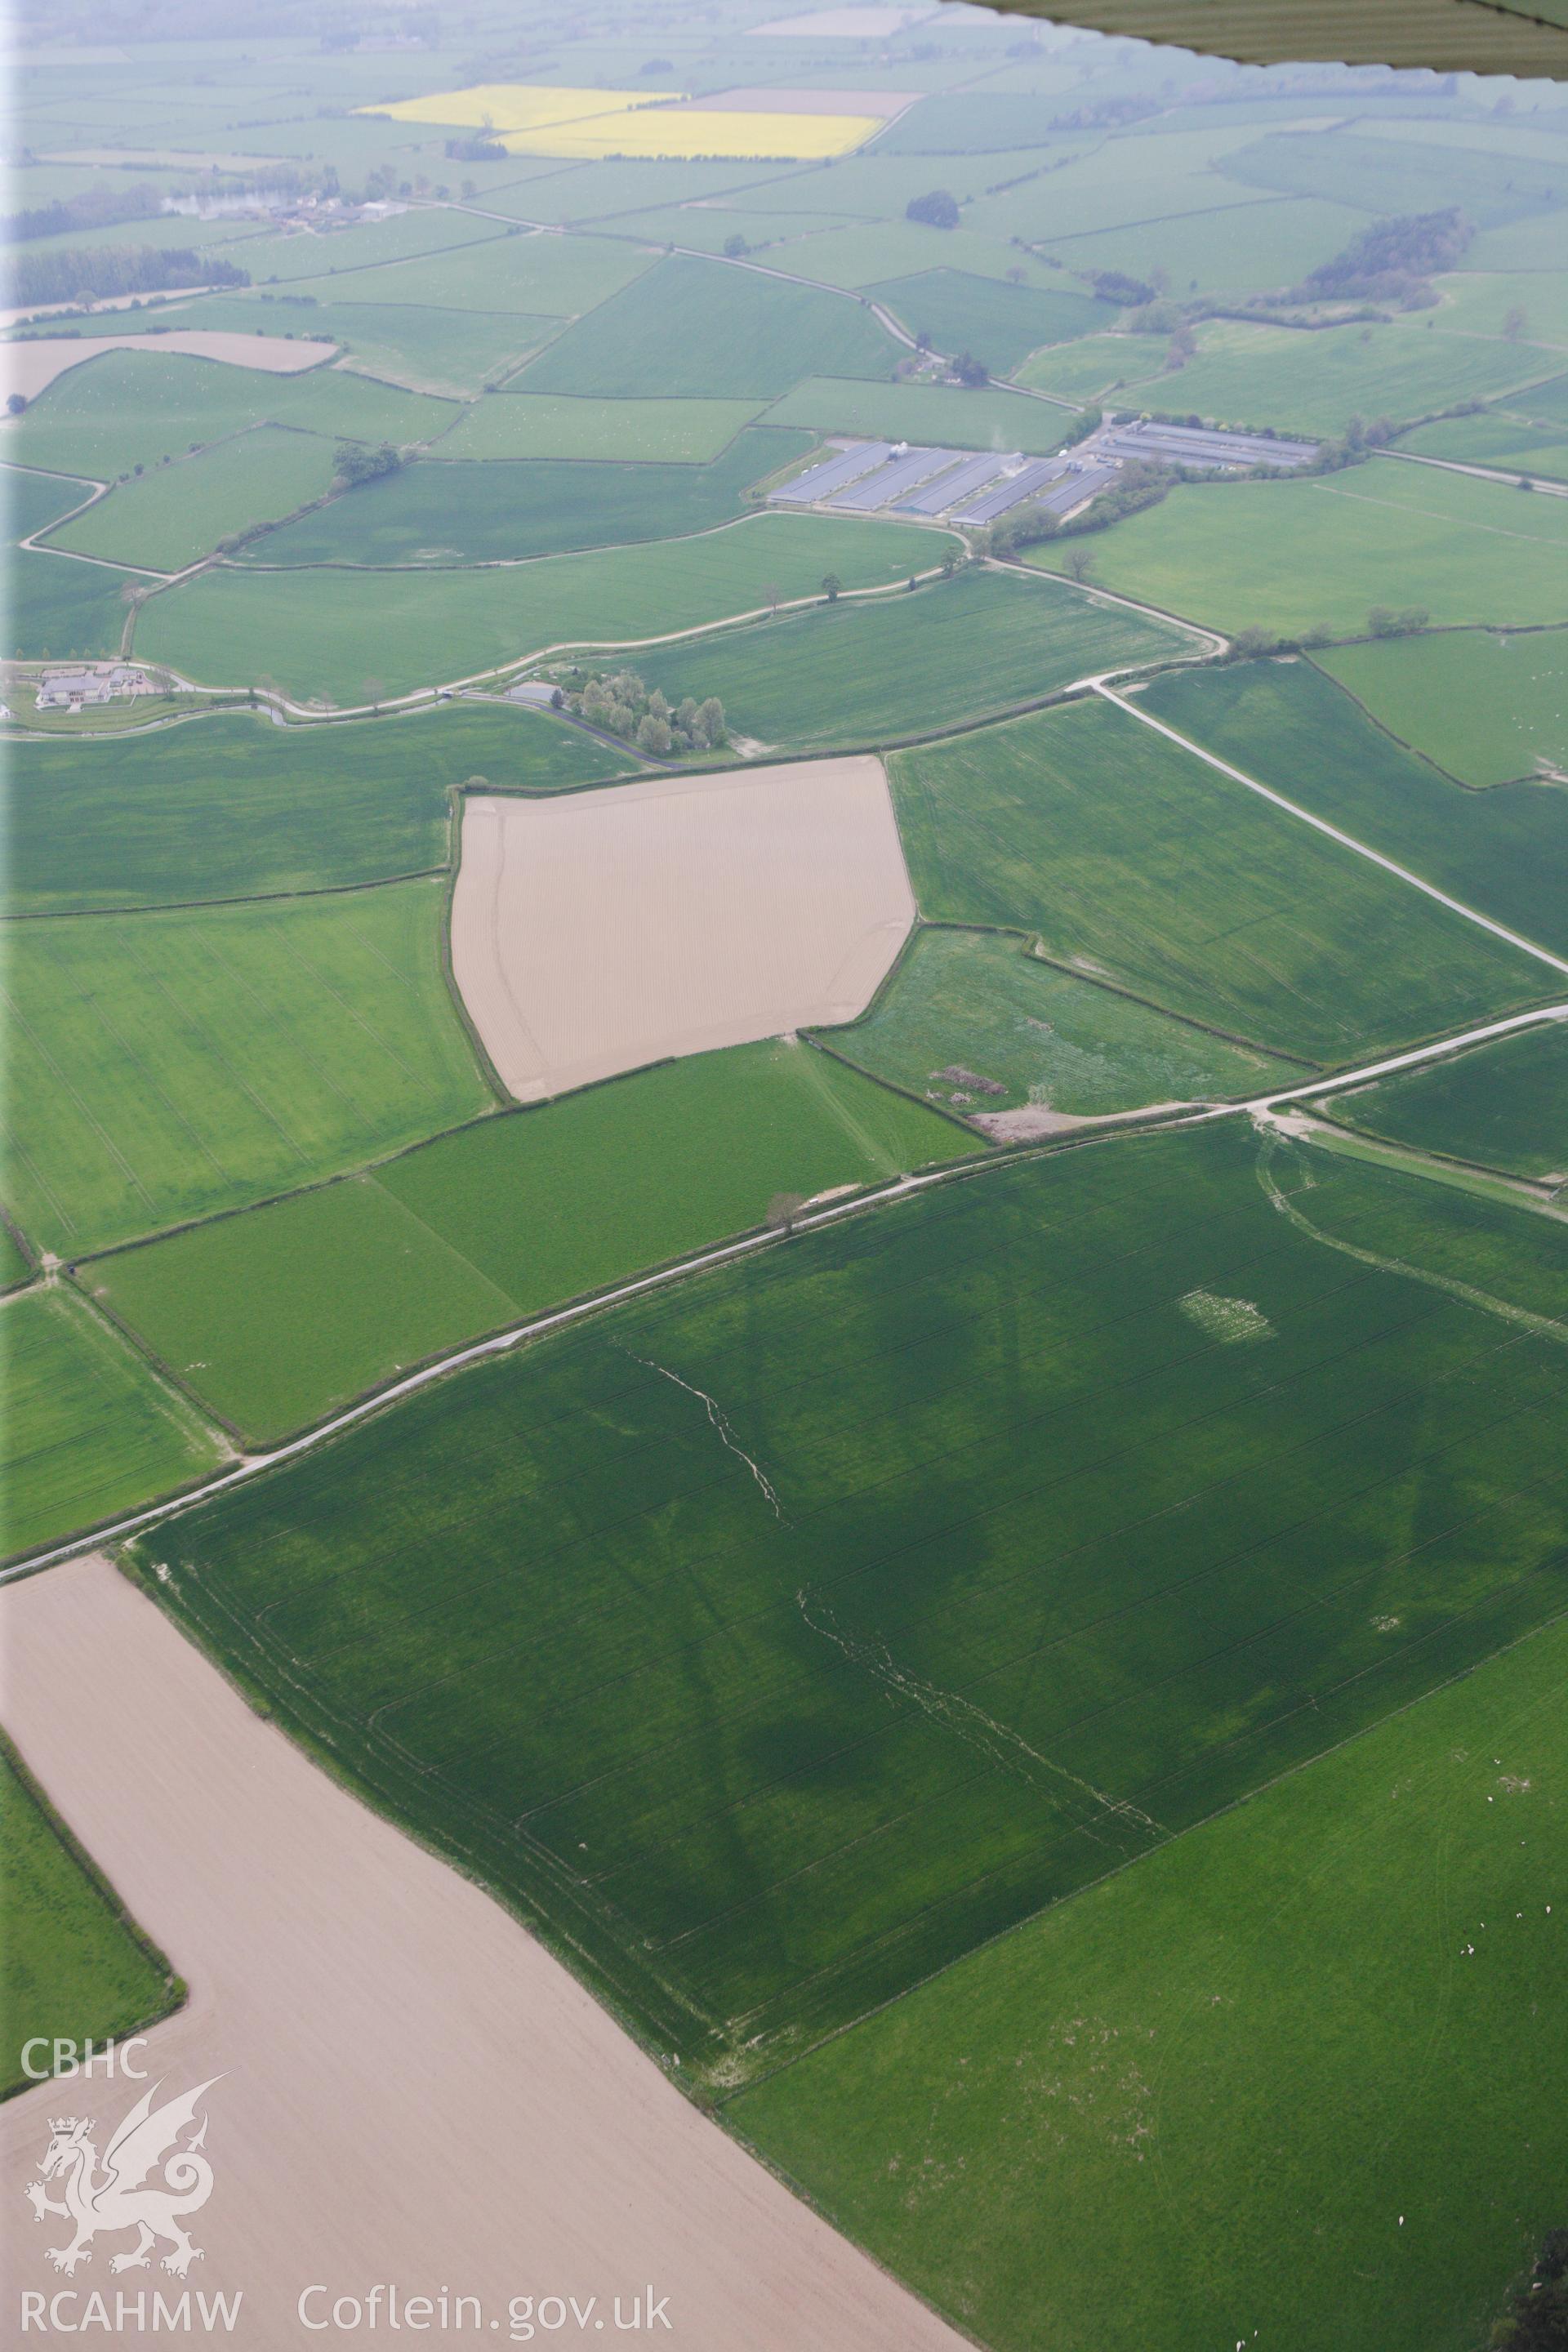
{"x":118,"y":2194}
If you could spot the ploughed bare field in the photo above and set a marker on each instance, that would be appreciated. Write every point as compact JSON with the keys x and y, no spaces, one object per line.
{"x":410,"y":2093}
{"x":30,"y":368}
{"x":603,"y":930}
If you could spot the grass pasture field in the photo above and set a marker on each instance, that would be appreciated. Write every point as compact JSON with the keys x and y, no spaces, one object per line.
{"x":1299,"y":556}
{"x":981,"y":1003}
{"x":322,"y":632}
{"x":90,"y":1429}
{"x":168,"y":1064}
{"x":349,"y":253}
{"x":701,"y":330}
{"x":59,"y":608}
{"x":1383,"y":175}
{"x":1504,"y":852}
{"x":501,"y":1222}
{"x":1048,"y":1514}
{"x":176,"y":514}
{"x":534,"y":427}
{"x":129,"y":408}
{"x":1137,"y":864}
{"x":441,"y":350}
{"x":1504,"y":1104}
{"x":1315,"y":380}
{"x":537,"y":276}
{"x":230,"y":806}
{"x":892,"y":667}
{"x":454,"y":513}
{"x":1082,"y":370}
{"x":1488,"y":707}
{"x":33,"y":501}
{"x":1236,"y":249}
{"x":1510,"y":443}
{"x":999,"y":323}
{"x":1059,"y":2144}
{"x":932,"y":413}
{"x":74,"y":1968}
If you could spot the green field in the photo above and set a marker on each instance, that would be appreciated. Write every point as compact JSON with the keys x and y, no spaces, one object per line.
{"x":448,"y":514}
{"x":74,"y":1968}
{"x":286,"y":256}
{"x":1510,"y":443}
{"x":348,"y":1285}
{"x":1219,"y":2094}
{"x":16,"y":1267}
{"x":129,"y":408}
{"x":438,"y":350}
{"x":553,"y":276}
{"x":905,"y":665}
{"x":1082,"y":370}
{"x":1241,"y":248}
{"x":1044,"y":1515}
{"x":1486,"y":706}
{"x":700,"y":329}
{"x":999,"y":323}
{"x":1296,"y":556}
{"x":1386,"y":176}
{"x":980,"y":1004}
{"x":1547,"y":403}
{"x":987,"y":419}
{"x":1504,"y":852}
{"x":325,"y":633}
{"x":59,"y":608}
{"x":875,"y":251}
{"x":33,"y":501}
{"x":168,"y":1064}
{"x":90,"y":1430}
{"x":231,"y":806}
{"x":178,"y":513}
{"x":1316,"y":380}
{"x":519,"y":425}
{"x":1504,"y":1105}
{"x":1137,"y":864}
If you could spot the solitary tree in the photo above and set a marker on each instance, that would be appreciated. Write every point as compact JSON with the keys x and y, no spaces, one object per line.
{"x":832,"y":587}
{"x":1079,"y":564}
{"x":784,"y":1208}
{"x":1514,"y":321}
{"x":770,"y":591}
{"x":14,"y":403}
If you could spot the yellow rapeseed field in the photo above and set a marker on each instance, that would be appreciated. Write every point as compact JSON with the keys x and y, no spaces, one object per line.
{"x":660,"y":133}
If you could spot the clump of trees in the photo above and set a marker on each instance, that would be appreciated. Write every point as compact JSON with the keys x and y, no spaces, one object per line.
{"x":937,"y":209}
{"x":622,"y":704}
{"x":85,"y":273}
{"x":1392,"y":261}
{"x":971,"y":372}
{"x":1126,"y":293}
{"x":474,"y":150}
{"x":356,"y":462}
{"x":93,"y":208}
{"x":1383,"y":621}
{"x":1536,"y":2316}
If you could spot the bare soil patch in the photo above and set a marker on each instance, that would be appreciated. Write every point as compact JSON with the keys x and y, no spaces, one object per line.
{"x":607,"y":930}
{"x":411,"y":2091}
